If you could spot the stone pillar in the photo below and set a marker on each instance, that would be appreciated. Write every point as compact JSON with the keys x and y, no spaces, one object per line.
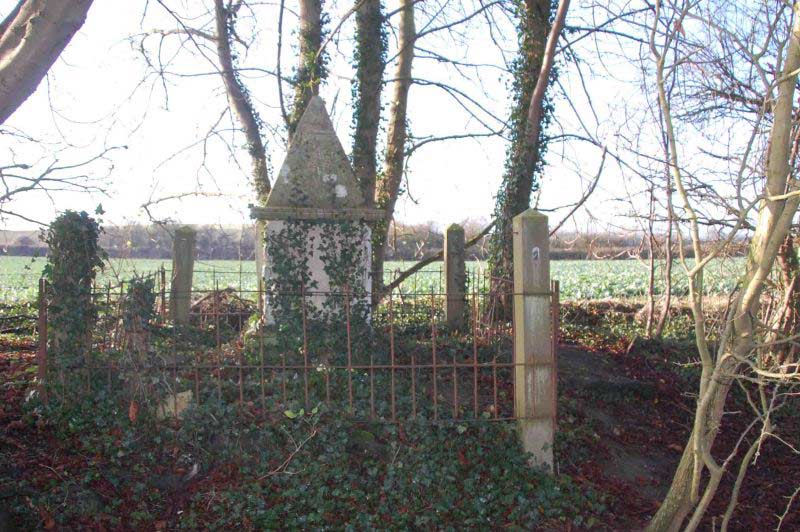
{"x":332,"y":218}
{"x":183,"y":252}
{"x":534,"y":357}
{"x":455,"y":276}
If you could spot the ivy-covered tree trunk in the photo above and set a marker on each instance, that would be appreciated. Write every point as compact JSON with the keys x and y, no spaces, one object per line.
{"x":32,"y":36}
{"x":370,"y":55}
{"x":388,"y":186}
{"x":524,"y":154}
{"x":311,"y":69}
{"x":249,"y":120}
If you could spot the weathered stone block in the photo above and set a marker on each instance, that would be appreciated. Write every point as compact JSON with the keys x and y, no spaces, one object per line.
{"x":183,"y":254}
{"x":318,"y":241}
{"x":455,"y":276}
{"x":534,"y":356}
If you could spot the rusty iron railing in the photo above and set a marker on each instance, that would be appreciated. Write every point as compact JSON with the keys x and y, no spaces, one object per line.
{"x":400,"y":362}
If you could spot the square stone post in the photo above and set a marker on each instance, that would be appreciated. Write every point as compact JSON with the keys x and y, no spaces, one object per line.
{"x":455,"y":276}
{"x":534,"y":359}
{"x":180,"y":295}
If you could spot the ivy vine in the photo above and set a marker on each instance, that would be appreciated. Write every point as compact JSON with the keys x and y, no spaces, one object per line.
{"x":369,"y":60}
{"x":518,"y":181}
{"x":73,"y":259}
{"x":305,"y":317}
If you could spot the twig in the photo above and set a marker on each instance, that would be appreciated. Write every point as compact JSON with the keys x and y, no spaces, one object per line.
{"x":585,"y":196}
{"x":786,"y":511}
{"x":286,"y":462}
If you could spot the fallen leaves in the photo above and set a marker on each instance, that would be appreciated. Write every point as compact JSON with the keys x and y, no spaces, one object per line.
{"x":48,"y":523}
{"x":133,"y":411}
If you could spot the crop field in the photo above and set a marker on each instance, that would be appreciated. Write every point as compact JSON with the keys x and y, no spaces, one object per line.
{"x":580,"y":279}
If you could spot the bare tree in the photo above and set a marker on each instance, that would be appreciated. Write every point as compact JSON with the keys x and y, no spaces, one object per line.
{"x":211,"y":35}
{"x":737,"y":359}
{"x":239,"y":98}
{"x":49,"y":175}
{"x":668,"y":262}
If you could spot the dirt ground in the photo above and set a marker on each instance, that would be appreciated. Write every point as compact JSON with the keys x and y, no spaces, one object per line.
{"x":640,"y":409}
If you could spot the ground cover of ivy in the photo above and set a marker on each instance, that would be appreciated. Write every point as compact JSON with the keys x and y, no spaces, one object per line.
{"x":220,"y":467}
{"x":224,"y":466}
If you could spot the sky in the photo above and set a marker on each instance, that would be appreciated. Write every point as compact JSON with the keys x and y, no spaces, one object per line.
{"x":102,"y":95}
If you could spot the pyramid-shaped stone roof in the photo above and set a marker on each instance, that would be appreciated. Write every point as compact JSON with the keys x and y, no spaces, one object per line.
{"x":316,"y":180}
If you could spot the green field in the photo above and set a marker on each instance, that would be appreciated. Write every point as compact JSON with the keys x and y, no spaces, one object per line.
{"x":579,"y":279}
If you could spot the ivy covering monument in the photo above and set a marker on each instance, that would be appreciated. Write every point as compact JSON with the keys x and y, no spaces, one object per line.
{"x":317,"y":238}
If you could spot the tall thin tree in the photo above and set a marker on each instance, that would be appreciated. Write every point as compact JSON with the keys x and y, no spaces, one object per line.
{"x":311,"y":68}
{"x":525,"y":152}
{"x":388,"y":186}
{"x":370,"y":57}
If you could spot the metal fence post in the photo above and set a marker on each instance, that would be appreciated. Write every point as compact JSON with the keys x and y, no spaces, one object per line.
{"x":534,"y":361}
{"x":41,"y":353}
{"x":162,"y":281}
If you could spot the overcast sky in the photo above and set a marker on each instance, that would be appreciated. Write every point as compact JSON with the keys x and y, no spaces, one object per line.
{"x":103,"y":95}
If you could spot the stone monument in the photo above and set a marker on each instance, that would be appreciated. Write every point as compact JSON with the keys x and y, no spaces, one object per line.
{"x":317,"y":236}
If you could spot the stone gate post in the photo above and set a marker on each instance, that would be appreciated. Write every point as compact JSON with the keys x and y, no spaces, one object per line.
{"x":455,"y":276}
{"x":534,"y":356}
{"x":183,"y":252}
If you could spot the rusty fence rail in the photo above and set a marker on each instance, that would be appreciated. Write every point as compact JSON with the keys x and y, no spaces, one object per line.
{"x":388,"y":361}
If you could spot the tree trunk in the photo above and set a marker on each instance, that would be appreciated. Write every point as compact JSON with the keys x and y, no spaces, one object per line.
{"x":370,"y":52}
{"x":388,"y":187}
{"x":311,"y":68}
{"x":32,"y":37}
{"x":241,"y":104}
{"x":250,"y":122}
{"x":789,"y":315}
{"x":677,"y":504}
{"x":651,"y":266}
{"x":683,"y":496}
{"x":523,"y":156}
